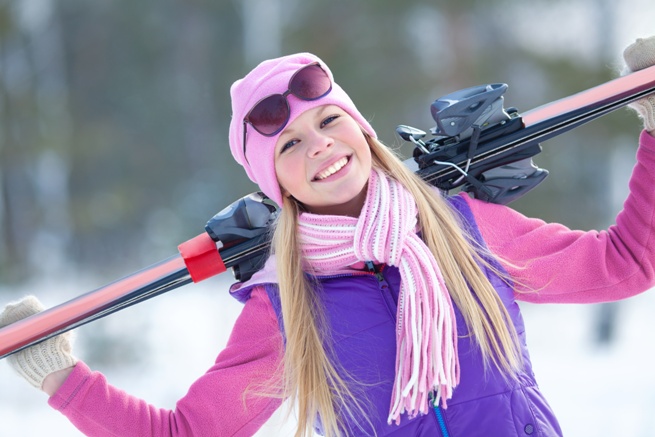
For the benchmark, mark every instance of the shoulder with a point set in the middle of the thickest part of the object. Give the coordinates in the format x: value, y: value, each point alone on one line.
x: 266, y: 278
x: 466, y: 210
x: 495, y: 223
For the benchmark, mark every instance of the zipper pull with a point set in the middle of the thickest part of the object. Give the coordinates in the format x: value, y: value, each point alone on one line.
x: 371, y: 268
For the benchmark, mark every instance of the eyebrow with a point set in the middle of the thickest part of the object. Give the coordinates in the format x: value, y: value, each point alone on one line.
x: 289, y: 130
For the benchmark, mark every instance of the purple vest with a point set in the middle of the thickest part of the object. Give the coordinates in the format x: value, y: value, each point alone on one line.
x: 361, y: 313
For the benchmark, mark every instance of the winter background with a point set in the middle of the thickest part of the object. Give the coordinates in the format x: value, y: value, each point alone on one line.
x: 594, y: 363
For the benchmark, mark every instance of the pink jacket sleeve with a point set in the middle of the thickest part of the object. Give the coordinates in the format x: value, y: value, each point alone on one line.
x: 554, y: 264
x: 220, y: 403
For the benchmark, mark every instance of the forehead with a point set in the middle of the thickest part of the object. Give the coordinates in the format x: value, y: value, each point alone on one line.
x: 316, y: 112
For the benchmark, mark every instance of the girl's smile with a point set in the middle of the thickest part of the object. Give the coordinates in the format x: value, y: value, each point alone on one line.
x: 322, y: 159
x: 333, y: 169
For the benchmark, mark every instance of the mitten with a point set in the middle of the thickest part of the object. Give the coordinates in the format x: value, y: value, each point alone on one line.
x: 36, y: 362
x: 640, y: 55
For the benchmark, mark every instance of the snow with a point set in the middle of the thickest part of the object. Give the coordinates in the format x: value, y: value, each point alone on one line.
x: 594, y: 390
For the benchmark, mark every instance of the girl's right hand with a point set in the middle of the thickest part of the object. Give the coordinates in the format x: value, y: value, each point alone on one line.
x: 51, y: 357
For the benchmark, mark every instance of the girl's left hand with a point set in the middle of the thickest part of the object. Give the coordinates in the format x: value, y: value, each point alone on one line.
x: 640, y: 55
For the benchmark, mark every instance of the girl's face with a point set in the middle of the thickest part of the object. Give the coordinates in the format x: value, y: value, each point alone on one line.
x: 322, y: 159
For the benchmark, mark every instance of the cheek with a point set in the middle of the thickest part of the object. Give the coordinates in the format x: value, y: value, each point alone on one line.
x: 366, y: 156
x: 279, y: 172
x: 284, y: 171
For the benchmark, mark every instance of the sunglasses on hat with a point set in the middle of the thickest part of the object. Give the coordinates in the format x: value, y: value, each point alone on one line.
x: 271, y: 114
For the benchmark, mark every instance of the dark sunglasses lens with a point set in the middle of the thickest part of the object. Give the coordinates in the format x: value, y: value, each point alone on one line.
x: 310, y: 83
x: 270, y: 115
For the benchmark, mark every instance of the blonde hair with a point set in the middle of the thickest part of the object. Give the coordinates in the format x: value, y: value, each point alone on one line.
x: 310, y: 379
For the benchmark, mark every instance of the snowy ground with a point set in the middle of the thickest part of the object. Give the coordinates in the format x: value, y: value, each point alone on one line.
x: 595, y: 391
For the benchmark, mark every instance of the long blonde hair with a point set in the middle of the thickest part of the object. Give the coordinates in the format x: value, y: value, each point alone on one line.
x: 310, y: 379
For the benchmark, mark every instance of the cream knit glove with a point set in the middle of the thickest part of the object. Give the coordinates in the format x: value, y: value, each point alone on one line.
x: 36, y: 362
x: 639, y: 55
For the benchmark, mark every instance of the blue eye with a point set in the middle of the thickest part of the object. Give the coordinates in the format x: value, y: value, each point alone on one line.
x: 288, y: 145
x: 329, y: 120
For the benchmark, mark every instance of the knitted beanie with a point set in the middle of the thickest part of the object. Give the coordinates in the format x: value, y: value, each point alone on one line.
x: 272, y: 77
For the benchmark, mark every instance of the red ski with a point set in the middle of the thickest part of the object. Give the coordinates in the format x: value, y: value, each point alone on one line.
x: 475, y: 137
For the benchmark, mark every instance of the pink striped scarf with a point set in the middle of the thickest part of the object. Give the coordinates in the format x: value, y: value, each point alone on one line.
x: 426, y: 332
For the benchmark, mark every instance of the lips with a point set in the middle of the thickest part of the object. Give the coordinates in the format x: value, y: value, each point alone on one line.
x: 332, y: 169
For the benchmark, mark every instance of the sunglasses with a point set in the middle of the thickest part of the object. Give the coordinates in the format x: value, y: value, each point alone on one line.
x: 271, y: 114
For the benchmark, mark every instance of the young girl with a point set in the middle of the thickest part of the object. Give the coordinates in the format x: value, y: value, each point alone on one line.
x: 384, y: 309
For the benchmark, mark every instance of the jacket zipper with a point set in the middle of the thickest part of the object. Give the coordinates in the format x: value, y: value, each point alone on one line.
x: 440, y: 419
x: 371, y: 268
x: 384, y: 288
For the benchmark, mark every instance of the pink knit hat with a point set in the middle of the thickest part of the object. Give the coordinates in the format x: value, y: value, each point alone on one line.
x: 272, y: 77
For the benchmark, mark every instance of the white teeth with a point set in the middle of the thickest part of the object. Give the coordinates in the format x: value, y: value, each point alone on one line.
x: 333, y: 168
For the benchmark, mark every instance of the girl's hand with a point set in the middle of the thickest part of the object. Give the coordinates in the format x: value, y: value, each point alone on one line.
x: 640, y: 55
x: 54, y: 380
x: 50, y: 357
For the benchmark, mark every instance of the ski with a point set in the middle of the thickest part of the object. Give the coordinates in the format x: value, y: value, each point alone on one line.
x: 486, y: 149
x: 241, y: 232
x: 478, y: 145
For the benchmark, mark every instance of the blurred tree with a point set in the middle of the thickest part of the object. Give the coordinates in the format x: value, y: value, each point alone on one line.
x: 35, y: 128
x: 150, y: 81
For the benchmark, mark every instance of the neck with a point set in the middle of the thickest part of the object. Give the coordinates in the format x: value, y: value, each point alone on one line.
x: 351, y: 208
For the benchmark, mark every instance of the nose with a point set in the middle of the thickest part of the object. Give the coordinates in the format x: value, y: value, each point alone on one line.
x: 318, y: 143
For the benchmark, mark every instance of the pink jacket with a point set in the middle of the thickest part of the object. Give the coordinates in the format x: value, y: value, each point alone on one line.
x: 562, y: 265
